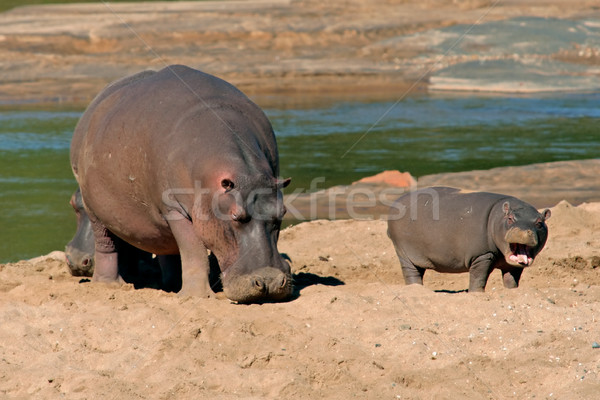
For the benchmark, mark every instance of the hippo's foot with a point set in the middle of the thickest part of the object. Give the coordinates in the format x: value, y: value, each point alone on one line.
x: 106, y: 268
x: 412, y: 278
x: 412, y: 274
x: 195, y: 267
x: 191, y: 281
x: 195, y: 282
x: 511, y: 277
x: 195, y: 291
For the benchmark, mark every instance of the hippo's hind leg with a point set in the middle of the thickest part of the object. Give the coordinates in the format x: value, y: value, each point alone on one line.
x: 106, y: 268
x: 412, y: 274
x: 195, y: 267
x: 511, y: 277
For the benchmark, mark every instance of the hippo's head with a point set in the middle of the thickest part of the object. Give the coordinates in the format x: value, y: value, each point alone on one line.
x: 524, y: 233
x: 246, y: 213
x: 80, y: 250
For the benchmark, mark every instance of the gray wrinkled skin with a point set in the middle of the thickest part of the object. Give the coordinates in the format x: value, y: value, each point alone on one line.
x: 446, y: 230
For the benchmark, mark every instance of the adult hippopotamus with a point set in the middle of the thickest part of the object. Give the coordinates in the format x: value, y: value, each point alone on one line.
x: 448, y: 230
x: 176, y: 162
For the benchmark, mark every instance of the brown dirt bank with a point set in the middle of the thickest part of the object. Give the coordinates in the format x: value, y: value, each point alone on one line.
x: 370, y: 338
x: 542, y: 185
x: 67, y: 53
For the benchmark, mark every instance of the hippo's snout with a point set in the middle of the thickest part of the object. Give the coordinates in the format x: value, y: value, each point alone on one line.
x: 81, y: 263
x: 264, y: 284
x: 270, y: 285
x: 521, y: 236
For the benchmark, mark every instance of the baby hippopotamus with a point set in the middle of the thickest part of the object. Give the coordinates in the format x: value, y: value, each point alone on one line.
x: 448, y: 230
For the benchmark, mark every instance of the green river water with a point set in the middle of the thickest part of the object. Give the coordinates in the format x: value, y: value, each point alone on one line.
x: 341, y: 141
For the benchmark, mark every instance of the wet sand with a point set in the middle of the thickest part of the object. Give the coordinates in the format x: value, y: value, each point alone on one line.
x: 66, y: 53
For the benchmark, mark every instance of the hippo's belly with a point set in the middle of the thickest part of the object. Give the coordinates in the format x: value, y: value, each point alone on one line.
x: 127, y: 202
x: 440, y: 256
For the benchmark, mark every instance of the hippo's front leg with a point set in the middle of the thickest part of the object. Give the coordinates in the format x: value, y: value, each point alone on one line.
x: 480, y: 271
x: 195, y: 266
x: 106, y: 268
x: 511, y: 277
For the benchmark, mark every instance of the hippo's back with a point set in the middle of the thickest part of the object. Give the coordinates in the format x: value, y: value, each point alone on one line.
x: 442, y: 204
x: 148, y: 109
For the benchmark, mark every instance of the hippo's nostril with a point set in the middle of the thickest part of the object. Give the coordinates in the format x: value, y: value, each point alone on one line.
x: 85, y: 262
x: 259, y: 285
x: 283, y: 281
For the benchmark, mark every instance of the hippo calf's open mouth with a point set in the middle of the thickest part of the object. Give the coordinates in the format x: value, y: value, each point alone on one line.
x: 521, y: 254
x: 522, y: 244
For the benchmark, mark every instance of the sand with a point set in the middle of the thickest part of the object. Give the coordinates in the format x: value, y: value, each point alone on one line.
x: 354, y: 330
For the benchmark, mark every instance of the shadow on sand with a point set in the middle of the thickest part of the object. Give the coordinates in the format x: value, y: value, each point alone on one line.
x: 451, y: 291
x: 146, y: 274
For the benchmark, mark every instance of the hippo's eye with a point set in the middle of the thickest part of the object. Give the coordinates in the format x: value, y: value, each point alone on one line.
x: 539, y: 224
x: 227, y: 184
x: 510, y: 220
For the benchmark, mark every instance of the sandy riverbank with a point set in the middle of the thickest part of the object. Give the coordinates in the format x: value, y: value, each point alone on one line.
x: 355, y: 331
x: 67, y: 53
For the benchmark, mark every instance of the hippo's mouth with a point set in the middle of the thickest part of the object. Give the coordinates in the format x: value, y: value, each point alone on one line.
x: 520, y: 254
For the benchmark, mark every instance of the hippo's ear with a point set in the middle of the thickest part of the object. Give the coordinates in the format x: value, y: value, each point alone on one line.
x: 227, y: 184
x: 283, y: 183
x: 506, y: 208
x: 546, y: 214
x: 508, y: 213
